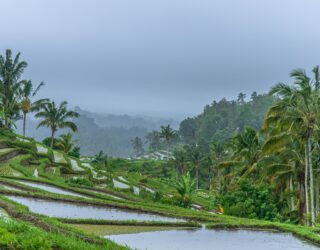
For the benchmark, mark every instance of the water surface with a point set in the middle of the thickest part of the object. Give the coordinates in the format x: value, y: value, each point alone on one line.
x: 202, y: 239
x: 75, y: 166
x: 51, y: 189
x: 68, y: 210
x: 121, y: 185
x: 41, y: 149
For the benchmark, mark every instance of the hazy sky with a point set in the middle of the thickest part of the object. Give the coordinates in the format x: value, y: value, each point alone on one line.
x: 159, y: 57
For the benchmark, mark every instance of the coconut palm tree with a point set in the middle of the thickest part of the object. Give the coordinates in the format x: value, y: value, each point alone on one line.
x: 246, y: 147
x: 56, y: 117
x: 26, y: 103
x: 196, y: 157
x: 298, y: 110
x: 217, y: 153
x: 65, y: 143
x: 167, y: 134
x: 101, y: 158
x: 180, y: 160
x: 137, y: 145
x: 11, y: 70
x: 283, y: 165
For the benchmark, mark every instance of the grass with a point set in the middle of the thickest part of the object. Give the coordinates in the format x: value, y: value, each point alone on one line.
x: 103, y: 230
x: 303, y: 232
x: 129, y: 223
x: 25, y: 230
x: 24, y: 236
x: 60, y: 234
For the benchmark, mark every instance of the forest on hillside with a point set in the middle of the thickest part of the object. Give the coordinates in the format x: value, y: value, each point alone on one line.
x: 222, y: 119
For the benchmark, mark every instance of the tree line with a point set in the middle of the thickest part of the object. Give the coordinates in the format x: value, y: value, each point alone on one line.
x: 17, y: 100
x: 268, y: 172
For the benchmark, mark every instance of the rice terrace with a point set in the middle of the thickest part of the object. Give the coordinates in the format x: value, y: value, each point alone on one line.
x: 125, y: 125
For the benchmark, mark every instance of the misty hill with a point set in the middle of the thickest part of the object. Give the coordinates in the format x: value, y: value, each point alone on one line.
x: 108, y: 132
x: 127, y: 121
x: 220, y: 120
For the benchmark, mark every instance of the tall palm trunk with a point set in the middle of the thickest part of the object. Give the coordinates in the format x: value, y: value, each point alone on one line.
x: 197, y: 176
x: 317, y: 195
x: 291, y: 194
x: 306, y: 182
x: 52, y: 138
x: 313, y: 218
x: 301, y: 200
x: 24, y: 123
x: 210, y: 180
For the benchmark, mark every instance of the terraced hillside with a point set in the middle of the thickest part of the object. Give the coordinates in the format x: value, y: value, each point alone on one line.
x: 49, y: 200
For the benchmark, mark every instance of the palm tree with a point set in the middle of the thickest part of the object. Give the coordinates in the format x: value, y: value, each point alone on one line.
x: 55, y: 117
x: 217, y: 153
x: 10, y: 84
x: 180, y: 160
x: 298, y: 110
x: 196, y: 157
x: 65, y: 143
x: 101, y: 157
x: 137, y: 145
x: 167, y: 134
x: 185, y: 189
x: 26, y: 103
x: 283, y: 163
x: 247, y: 152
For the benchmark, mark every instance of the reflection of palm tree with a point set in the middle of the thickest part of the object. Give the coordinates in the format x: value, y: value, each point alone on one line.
x: 55, y: 117
x: 298, y: 111
x: 167, y: 134
x: 10, y: 83
x: 26, y: 104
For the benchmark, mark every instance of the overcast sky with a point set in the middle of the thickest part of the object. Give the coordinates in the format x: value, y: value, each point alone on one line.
x: 159, y: 57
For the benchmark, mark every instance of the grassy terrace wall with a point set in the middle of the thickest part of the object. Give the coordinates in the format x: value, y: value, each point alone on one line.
x: 147, y: 207
x: 24, y: 230
x: 304, y: 232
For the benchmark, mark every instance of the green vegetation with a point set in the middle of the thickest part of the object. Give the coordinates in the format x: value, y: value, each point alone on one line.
x: 228, y: 167
x: 112, y: 230
x: 56, y: 117
x: 22, y: 235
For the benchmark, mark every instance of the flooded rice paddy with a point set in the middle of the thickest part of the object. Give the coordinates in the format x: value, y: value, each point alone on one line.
x: 68, y: 210
x: 200, y: 239
x: 51, y: 189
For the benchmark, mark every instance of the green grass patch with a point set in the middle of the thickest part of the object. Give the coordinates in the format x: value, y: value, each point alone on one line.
x: 103, y: 230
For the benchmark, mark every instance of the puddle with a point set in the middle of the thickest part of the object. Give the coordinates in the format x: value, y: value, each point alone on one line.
x: 136, y: 190
x: 41, y: 149
x: 36, y: 173
x: 75, y: 166
x: 121, y: 185
x: 121, y: 178
x: 87, y: 165
x: 58, y: 157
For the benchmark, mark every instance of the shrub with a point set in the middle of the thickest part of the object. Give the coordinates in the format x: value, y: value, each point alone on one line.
x: 80, y: 181
x: 250, y: 201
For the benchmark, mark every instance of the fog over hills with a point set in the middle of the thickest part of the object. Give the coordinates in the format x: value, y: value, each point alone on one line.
x: 111, y: 133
